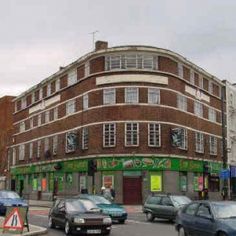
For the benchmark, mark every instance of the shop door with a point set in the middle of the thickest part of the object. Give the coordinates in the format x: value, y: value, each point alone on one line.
x: 132, y: 190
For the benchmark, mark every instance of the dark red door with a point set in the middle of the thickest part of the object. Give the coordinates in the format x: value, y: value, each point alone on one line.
x: 132, y: 190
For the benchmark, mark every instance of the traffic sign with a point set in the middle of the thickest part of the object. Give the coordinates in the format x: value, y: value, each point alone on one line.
x: 225, y: 174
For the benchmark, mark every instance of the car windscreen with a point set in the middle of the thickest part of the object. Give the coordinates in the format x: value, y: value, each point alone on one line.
x: 11, y: 195
x: 99, y: 200
x: 80, y: 206
x: 225, y: 210
x: 180, y: 200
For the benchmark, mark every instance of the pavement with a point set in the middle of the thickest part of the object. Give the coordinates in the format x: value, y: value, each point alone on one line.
x: 33, y: 230
x: 48, y: 204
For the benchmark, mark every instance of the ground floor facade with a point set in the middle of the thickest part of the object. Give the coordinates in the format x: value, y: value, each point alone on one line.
x: 132, y: 177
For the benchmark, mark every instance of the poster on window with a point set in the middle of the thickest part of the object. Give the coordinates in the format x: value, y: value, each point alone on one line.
x: 156, y: 183
x: 35, y: 184
x: 82, y: 183
x: 108, y: 181
x: 44, y: 184
x: 183, y: 183
x: 71, y: 141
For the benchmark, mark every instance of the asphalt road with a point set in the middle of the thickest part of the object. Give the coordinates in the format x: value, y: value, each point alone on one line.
x: 136, y: 225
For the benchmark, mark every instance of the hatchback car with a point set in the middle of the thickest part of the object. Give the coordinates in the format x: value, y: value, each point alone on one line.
x: 10, y: 199
x: 207, y: 218
x: 80, y: 216
x: 164, y: 206
x: 115, y: 211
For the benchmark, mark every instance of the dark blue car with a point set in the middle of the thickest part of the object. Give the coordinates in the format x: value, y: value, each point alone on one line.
x: 10, y: 198
x: 206, y: 218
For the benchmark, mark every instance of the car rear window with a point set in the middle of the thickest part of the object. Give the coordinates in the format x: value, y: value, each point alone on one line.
x: 154, y: 200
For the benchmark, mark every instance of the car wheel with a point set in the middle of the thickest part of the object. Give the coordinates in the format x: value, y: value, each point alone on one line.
x: 51, y: 223
x: 121, y: 221
x: 149, y: 216
x: 181, y: 232
x: 108, y: 232
x: 67, y: 228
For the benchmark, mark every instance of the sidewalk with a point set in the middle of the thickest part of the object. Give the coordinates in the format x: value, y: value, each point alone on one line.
x: 34, y: 230
x: 37, y: 203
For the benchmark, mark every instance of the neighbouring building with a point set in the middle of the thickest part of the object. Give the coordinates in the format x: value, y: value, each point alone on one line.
x: 231, y: 133
x: 6, y: 131
x: 148, y: 116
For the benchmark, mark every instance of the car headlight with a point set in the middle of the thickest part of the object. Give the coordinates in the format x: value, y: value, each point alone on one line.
x: 78, y: 220
x: 107, y: 220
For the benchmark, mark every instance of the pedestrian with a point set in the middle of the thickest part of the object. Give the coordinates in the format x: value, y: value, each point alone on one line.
x: 107, y: 194
x: 102, y: 190
x: 113, y: 193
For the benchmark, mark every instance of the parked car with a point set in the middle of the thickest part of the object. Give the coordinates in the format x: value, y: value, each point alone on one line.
x: 164, y: 206
x: 207, y: 218
x: 79, y: 216
x: 10, y: 198
x: 115, y: 211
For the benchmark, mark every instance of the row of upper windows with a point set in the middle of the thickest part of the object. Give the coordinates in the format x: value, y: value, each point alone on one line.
x: 109, y: 98
x: 48, y: 147
x: 116, y: 62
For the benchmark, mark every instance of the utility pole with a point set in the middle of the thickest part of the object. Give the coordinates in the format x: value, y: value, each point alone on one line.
x: 93, y: 36
x: 225, y: 190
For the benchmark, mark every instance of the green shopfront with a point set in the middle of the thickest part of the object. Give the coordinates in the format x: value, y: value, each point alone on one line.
x: 133, y: 178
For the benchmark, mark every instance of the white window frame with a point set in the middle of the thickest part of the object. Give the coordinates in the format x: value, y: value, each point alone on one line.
x: 22, y: 152
x: 39, y: 119
x: 210, y: 86
x: 55, y: 113
x: 109, y: 96
x: 198, y: 109
x: 87, y: 69
x: 185, y: 140
x: 31, y: 120
x: 180, y: 70
x: 200, y: 78
x: 31, y: 147
x: 213, y: 145
x: 132, y: 95
x: 153, y: 96
x: 70, y: 107
x: 22, y: 126
x: 49, y: 89
x: 72, y: 77
x: 23, y: 103
x: 109, y: 135
x: 46, y: 144
x: 54, y: 145
x: 154, y: 135
x: 85, y: 101
x: 57, y: 85
x: 192, y: 77
x: 38, y: 148
x: 199, y: 142
x: 33, y: 97
x: 85, y: 138
x: 212, y: 114
x: 47, y: 116
x: 132, y: 133
x: 13, y: 156
x: 182, y: 102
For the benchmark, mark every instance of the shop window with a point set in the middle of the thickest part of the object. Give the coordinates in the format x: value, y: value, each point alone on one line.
x: 35, y: 184
x: 197, y: 182
x: 108, y: 181
x: 183, y: 182
x: 214, y: 184
x: 69, y: 178
x: 82, y: 183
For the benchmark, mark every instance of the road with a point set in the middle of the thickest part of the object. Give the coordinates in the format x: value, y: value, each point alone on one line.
x: 136, y: 225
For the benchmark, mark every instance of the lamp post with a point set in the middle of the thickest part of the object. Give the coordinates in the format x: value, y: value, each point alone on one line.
x: 224, y: 144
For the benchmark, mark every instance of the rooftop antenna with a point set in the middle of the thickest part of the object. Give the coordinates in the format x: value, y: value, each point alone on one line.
x: 93, y: 35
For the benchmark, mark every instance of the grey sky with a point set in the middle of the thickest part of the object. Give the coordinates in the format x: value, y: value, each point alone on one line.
x: 38, y: 36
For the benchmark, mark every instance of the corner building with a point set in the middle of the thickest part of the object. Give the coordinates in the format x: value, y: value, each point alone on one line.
x: 151, y: 119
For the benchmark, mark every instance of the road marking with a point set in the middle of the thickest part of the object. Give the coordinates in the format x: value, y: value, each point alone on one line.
x: 138, y: 222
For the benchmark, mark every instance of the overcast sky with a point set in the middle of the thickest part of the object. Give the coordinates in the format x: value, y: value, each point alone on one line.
x: 38, y: 36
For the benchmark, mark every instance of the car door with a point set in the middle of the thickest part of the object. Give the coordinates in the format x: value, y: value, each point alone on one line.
x: 59, y: 213
x: 204, y: 222
x: 152, y: 204
x: 166, y: 208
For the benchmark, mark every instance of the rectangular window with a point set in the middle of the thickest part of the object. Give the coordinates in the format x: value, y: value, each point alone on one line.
x: 180, y: 70
x: 22, y: 152
x: 70, y: 107
x: 131, y: 134
x: 182, y: 102
x: 192, y: 79
x: 57, y: 86
x: 109, y: 96
x: 31, y: 123
x: 153, y: 96
x: 22, y: 126
x: 154, y: 135
x: 71, y: 141
x: 131, y: 95
x: 109, y: 135
x: 201, y: 81
x: 39, y: 120
x: 85, y: 101
x: 211, y: 87
x: 183, y: 181
x: 54, y: 145
x: 131, y: 61
x: 179, y: 138
x: 38, y: 148
x: 212, y: 114
x: 199, y: 142
x: 48, y: 89
x: 31, y: 146
x: 198, y: 109
x: 46, y: 144
x: 85, y: 137
x: 213, y: 145
x: 13, y: 156
x: 214, y: 184
x: 23, y: 103
x: 33, y: 97
x: 40, y: 93
x: 148, y: 62
x: 55, y: 113
x: 47, y: 116
x: 115, y: 62
x: 72, y: 77
x: 87, y: 69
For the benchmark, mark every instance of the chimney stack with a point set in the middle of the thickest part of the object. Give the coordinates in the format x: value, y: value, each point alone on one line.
x: 100, y: 45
